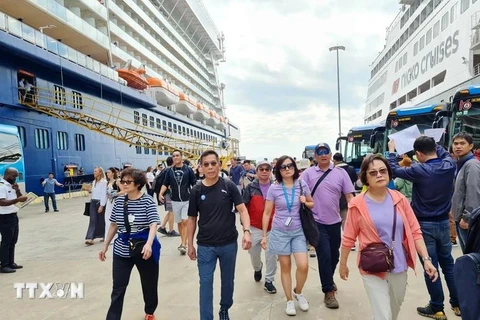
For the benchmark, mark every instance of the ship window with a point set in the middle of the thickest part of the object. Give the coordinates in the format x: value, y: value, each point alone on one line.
x: 393, y: 105
x: 159, y: 124
x: 453, y: 11
x: 402, y: 100
x: 188, y: 132
x: 412, y: 94
x: 445, y: 21
x: 138, y: 149
x: 164, y: 124
x: 42, y: 140
x: 439, y: 78
x: 436, y: 3
x: 422, y: 43
x: 424, y: 87
x: 154, y: 151
x: 144, y: 119
x: 79, y: 142
x: 62, y: 140
x: 152, y: 122
x: 169, y: 126
x: 174, y: 128
x: 183, y: 130
x: 464, y: 4
x: 77, y: 102
x: 429, y: 36
x: 405, y: 58
x: 136, y: 117
x: 146, y: 150
x: 23, y: 136
x: 415, y: 48
x: 59, y: 95
x: 436, y: 29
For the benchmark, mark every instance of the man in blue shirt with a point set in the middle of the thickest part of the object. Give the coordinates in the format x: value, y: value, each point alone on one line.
x: 49, y: 190
x: 236, y: 172
x: 432, y: 181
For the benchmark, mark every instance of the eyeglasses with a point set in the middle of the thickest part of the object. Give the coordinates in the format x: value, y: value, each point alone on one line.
x: 207, y: 164
x: 375, y: 173
x: 127, y: 182
x: 263, y: 169
x: 287, y: 166
x: 322, y: 152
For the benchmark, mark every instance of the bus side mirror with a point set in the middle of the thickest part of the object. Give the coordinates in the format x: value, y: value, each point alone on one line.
x: 337, y: 145
x: 373, y: 138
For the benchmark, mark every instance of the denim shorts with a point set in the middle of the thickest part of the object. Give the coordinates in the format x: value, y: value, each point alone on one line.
x: 284, y: 243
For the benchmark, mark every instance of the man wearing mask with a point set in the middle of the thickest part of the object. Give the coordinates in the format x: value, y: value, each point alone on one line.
x: 9, y: 195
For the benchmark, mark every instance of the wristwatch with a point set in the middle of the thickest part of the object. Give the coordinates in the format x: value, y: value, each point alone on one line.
x: 426, y: 258
x: 247, y: 230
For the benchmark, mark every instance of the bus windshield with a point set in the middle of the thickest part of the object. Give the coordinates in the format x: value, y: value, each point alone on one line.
x: 11, y: 154
x: 468, y: 121
x: 308, y: 152
x: 357, y: 147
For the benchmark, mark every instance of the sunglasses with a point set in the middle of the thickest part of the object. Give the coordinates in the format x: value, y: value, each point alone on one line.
x: 207, y: 164
x: 264, y: 169
x: 127, y: 182
x: 375, y: 173
x: 322, y: 152
x: 287, y: 166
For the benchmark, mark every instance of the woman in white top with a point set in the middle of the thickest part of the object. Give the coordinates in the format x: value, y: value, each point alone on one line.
x: 96, y: 226
x: 113, y: 191
x: 150, y: 179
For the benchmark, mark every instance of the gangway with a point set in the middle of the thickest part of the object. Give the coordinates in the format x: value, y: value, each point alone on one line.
x: 114, y: 122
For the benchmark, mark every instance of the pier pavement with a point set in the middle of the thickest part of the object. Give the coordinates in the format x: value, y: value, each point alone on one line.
x: 51, y: 248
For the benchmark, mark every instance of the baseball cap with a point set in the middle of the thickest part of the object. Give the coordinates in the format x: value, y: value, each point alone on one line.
x: 263, y: 163
x: 322, y: 145
x: 303, y: 164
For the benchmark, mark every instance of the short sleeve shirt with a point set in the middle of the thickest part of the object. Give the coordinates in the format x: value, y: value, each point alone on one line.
x: 7, y: 193
x: 277, y: 196
x: 213, y: 205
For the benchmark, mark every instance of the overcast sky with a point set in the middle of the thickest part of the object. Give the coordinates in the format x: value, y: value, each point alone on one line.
x: 280, y: 77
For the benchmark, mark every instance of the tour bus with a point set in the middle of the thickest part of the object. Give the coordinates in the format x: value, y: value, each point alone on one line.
x: 11, y: 153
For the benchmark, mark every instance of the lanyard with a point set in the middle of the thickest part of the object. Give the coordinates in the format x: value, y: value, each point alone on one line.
x: 289, y: 203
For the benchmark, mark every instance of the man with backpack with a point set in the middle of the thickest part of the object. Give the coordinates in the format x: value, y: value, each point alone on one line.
x: 466, y: 196
x: 180, y: 179
x: 157, y: 185
x: 338, y: 162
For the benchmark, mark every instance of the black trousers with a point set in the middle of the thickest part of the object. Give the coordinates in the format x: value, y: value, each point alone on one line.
x: 122, y: 268
x: 9, y: 232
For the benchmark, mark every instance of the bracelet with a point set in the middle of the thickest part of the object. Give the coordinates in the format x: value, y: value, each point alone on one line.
x: 247, y: 230
x: 426, y: 259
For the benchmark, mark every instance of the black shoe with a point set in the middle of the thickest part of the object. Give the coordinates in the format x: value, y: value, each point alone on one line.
x: 162, y: 230
x: 16, y: 266
x: 56, y: 210
x: 7, y: 270
x: 428, y: 312
x: 257, y: 275
x: 223, y: 315
x: 269, y: 287
x: 46, y: 210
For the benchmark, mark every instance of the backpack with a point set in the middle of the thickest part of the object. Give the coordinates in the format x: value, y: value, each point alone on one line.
x: 467, y: 277
x: 473, y: 236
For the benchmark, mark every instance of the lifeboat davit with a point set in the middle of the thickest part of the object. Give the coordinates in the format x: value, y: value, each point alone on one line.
x: 201, y: 112
x: 185, y: 105
x: 165, y: 94
x: 133, y: 76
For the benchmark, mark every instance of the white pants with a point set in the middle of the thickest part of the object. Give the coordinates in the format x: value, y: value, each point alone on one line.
x: 386, y: 296
x: 107, y: 213
x: 255, y: 255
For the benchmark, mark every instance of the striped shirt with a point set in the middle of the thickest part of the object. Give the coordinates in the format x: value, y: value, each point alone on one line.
x: 145, y: 212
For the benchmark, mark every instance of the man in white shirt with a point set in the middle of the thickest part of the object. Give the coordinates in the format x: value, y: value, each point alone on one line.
x: 9, y: 195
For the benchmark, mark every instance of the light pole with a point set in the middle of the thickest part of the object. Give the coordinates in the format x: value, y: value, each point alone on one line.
x: 337, y: 48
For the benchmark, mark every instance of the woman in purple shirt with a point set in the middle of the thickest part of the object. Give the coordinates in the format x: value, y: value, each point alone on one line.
x: 287, y: 237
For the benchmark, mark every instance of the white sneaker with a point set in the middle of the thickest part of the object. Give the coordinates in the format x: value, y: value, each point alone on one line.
x: 290, y: 311
x: 302, y: 302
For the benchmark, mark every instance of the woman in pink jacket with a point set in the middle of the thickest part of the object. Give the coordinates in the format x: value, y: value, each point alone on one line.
x: 370, y: 219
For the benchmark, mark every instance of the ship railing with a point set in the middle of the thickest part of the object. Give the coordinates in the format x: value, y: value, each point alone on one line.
x: 33, y: 36
x: 115, y: 122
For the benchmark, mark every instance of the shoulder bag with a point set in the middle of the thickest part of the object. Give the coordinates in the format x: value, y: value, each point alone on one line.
x: 135, y: 245
x: 309, y: 225
x: 378, y: 257
x: 86, y: 211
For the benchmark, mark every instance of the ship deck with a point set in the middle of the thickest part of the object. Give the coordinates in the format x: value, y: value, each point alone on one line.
x: 51, y: 249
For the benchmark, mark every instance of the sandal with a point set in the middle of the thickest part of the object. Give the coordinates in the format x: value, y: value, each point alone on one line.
x: 89, y: 242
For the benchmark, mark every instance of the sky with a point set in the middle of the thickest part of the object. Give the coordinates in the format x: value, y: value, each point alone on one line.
x: 281, y: 82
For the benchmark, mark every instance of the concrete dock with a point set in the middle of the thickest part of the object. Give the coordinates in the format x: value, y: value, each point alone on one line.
x: 51, y: 248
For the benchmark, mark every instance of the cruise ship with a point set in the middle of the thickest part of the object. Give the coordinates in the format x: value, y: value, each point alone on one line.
x: 432, y: 48
x: 109, y: 83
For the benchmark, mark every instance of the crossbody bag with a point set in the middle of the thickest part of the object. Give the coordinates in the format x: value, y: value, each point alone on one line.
x: 135, y: 245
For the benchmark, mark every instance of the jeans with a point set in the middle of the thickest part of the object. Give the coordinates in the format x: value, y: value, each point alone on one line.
x: 54, y: 201
x: 439, y: 246
x: 462, y: 236
x: 207, y: 262
x: 328, y: 253
x: 9, y: 232
x: 121, y: 270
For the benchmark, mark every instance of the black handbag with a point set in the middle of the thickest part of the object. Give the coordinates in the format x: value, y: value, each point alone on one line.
x: 309, y: 225
x: 86, y: 211
x: 135, y: 245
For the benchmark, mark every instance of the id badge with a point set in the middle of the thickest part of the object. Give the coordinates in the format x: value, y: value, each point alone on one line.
x: 288, y: 222
x: 131, y: 218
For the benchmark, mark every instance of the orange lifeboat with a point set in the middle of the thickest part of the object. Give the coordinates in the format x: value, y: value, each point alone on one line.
x: 213, y: 120
x: 201, y: 112
x: 133, y: 76
x: 165, y: 94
